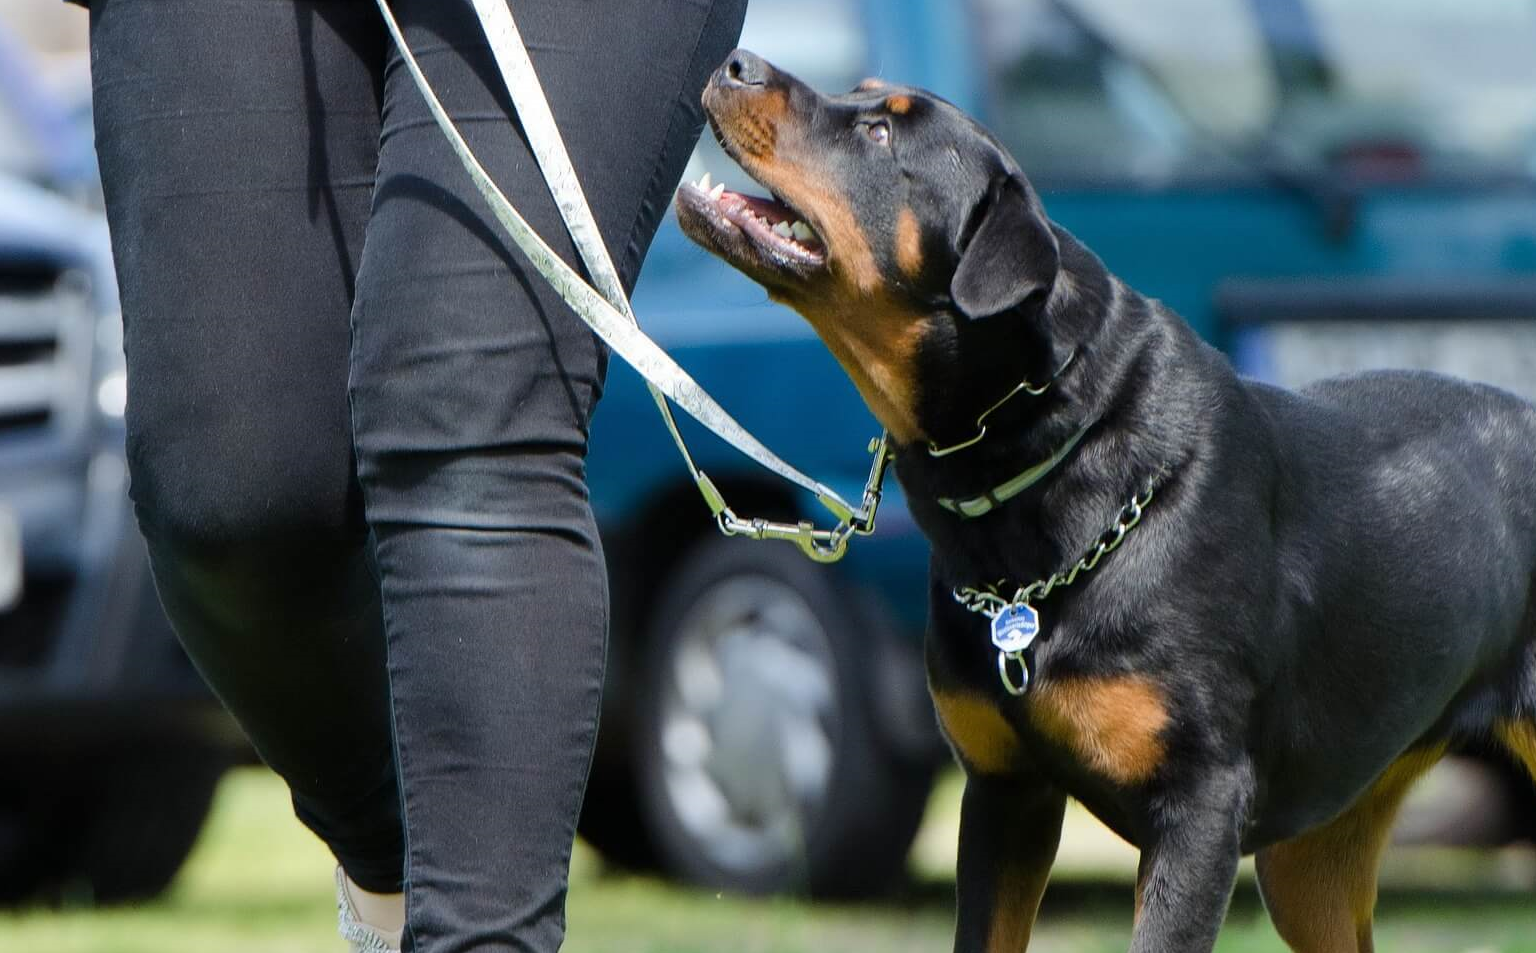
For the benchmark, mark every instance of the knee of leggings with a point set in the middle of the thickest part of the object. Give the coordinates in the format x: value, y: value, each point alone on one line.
x: 218, y: 500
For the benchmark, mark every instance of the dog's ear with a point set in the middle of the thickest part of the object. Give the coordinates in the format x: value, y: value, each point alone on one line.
x: 1008, y: 253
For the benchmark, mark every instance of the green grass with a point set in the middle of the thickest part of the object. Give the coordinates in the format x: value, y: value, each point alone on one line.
x: 259, y: 882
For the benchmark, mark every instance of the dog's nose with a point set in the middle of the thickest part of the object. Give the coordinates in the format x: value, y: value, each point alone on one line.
x: 743, y: 68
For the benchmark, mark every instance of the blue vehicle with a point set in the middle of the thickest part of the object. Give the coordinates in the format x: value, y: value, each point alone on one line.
x: 1292, y: 176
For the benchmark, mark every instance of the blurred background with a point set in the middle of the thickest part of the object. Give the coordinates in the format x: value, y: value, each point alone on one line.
x: 1316, y: 185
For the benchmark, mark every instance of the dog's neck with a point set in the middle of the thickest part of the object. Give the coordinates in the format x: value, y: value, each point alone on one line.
x: 1115, y: 336
x: 967, y: 367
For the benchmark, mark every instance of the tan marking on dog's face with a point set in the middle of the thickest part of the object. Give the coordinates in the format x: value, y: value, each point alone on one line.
x: 851, y: 302
x: 909, y: 243
x: 899, y: 105
x: 1113, y: 725
x: 849, y: 255
x: 982, y: 737
x: 751, y: 122
x: 872, y: 334
x: 754, y: 125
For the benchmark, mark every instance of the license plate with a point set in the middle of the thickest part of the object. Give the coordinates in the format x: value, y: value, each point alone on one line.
x: 1501, y: 353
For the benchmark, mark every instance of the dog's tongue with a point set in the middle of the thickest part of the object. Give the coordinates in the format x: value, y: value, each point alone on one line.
x: 774, y: 212
x: 775, y: 216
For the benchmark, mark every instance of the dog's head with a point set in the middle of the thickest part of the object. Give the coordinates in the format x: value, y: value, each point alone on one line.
x: 895, y: 218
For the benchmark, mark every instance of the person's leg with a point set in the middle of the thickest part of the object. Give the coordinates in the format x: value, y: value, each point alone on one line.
x: 238, y: 142
x: 472, y: 387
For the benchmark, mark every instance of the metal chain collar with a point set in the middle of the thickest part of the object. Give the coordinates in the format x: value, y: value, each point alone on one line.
x: 1023, y: 387
x: 988, y: 601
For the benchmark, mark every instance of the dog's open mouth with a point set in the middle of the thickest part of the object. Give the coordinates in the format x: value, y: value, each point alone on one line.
x: 751, y: 233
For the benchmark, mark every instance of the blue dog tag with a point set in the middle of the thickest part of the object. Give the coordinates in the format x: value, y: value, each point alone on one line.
x: 1014, y: 629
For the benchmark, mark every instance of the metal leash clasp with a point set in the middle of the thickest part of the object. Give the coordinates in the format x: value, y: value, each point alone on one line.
x: 819, y: 545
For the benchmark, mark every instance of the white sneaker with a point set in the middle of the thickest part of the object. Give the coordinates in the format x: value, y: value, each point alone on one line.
x: 364, y: 938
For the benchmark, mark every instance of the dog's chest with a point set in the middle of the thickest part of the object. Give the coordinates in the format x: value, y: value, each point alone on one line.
x: 1110, y: 727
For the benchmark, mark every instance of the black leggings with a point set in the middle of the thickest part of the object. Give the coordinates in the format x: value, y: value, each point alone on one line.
x: 357, y: 421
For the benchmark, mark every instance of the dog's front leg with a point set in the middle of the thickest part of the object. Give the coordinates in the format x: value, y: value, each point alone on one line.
x: 1009, y: 830
x: 1189, y: 865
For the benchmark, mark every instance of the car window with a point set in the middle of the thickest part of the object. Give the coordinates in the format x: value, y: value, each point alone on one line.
x: 820, y: 41
x: 1438, y: 88
x: 1103, y: 90
x: 1161, y: 90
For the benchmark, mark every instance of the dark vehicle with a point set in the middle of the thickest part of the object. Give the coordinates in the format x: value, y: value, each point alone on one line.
x: 1316, y: 185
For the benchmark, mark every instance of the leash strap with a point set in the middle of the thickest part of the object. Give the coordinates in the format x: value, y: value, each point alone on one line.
x: 608, y: 313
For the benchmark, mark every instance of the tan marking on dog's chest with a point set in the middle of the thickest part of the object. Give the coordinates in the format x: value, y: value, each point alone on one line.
x: 909, y: 243
x: 1114, y: 726
x: 981, y: 735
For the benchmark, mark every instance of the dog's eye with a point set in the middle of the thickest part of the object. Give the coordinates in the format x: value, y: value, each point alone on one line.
x: 879, y: 132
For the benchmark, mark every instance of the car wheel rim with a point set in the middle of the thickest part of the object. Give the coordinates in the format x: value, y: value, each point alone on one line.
x: 748, y: 718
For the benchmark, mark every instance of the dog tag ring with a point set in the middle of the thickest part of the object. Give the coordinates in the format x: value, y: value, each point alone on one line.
x: 1015, y: 627
x: 1013, y: 687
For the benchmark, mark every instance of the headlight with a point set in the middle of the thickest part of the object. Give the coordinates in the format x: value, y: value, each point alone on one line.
x: 112, y: 374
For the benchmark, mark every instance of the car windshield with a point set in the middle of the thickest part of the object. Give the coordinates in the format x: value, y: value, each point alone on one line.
x: 1191, y: 89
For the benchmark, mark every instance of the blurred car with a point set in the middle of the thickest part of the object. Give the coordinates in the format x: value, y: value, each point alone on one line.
x: 1316, y: 185
x: 110, y: 746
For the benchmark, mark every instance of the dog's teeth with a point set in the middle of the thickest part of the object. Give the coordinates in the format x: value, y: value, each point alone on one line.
x: 717, y: 191
x: 801, y: 231
x: 704, y: 183
x: 782, y: 230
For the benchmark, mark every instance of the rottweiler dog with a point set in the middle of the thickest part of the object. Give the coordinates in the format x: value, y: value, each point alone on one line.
x: 1267, y: 613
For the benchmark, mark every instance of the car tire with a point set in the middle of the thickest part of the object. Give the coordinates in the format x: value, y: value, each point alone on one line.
x: 102, y: 830
x: 759, y: 766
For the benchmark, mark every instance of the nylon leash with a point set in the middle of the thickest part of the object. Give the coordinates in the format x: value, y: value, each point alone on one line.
x: 606, y: 309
